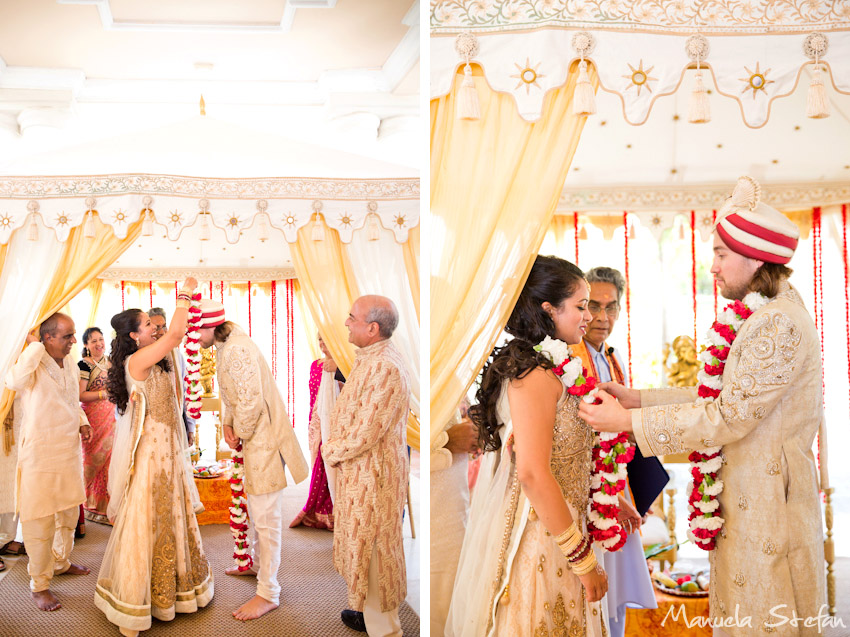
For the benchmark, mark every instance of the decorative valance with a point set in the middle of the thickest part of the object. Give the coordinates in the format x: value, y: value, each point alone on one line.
x: 232, y: 205
x: 754, y: 53
x: 201, y: 274
x: 658, y: 207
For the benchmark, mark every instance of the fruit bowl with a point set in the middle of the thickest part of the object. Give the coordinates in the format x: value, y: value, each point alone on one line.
x: 686, y: 584
x: 207, y: 473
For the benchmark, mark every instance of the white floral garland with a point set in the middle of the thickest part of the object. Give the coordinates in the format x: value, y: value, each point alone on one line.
x: 704, y: 520
x: 611, y: 451
x: 192, y: 379
x: 239, y: 512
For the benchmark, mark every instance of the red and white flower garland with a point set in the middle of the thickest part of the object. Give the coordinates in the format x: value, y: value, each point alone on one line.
x: 238, y: 512
x: 611, y: 451
x: 704, y: 509
x: 192, y: 379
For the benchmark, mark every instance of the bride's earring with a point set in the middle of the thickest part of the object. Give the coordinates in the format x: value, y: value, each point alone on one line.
x: 137, y: 342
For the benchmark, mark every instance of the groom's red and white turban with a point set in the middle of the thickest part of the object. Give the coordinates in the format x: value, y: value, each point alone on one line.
x: 212, y: 313
x: 754, y: 229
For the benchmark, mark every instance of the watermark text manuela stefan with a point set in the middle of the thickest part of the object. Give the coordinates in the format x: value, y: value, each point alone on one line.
x: 780, y: 615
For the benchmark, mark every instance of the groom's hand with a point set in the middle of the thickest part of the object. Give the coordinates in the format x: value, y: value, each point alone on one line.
x: 607, y: 416
x: 230, y: 437
x: 629, y: 398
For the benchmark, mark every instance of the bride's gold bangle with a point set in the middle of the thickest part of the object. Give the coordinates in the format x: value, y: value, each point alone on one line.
x: 183, y: 303
x: 586, y: 565
x: 569, y: 539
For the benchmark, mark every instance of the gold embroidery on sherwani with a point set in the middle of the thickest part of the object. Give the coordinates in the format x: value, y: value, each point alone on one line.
x: 662, y: 430
x: 771, y: 345
x: 164, y: 566
x: 366, y: 445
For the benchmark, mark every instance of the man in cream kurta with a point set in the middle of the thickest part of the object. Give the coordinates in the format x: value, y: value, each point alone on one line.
x: 49, y: 481
x: 253, y: 411
x: 768, y: 565
x: 368, y: 448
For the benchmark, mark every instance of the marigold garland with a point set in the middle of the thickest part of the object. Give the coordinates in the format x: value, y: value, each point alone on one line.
x: 704, y: 519
x: 611, y: 451
x: 239, y: 513
x: 192, y: 379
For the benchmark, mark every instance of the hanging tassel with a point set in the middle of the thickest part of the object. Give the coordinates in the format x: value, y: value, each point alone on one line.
x: 88, y: 228
x: 374, y: 228
x: 147, y: 224
x: 583, y: 233
x: 205, y: 227
x: 584, y: 100
x: 318, y: 230
x: 467, y: 98
x: 699, y: 109
x: 632, y: 233
x: 263, y: 229
x: 817, y: 106
x: 32, y: 231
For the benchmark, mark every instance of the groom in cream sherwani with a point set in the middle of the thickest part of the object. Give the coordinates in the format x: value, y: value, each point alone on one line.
x: 253, y: 411
x: 768, y: 566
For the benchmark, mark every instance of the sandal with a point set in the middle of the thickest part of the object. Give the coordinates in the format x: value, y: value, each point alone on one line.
x: 13, y: 548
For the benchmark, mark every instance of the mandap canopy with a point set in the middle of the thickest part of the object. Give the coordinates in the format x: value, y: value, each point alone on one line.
x: 329, y: 240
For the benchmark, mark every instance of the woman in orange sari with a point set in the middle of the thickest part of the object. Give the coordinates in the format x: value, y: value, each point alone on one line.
x: 101, y: 414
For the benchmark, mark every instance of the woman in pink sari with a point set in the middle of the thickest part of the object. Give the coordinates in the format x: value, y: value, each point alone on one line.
x: 101, y: 414
x: 318, y: 512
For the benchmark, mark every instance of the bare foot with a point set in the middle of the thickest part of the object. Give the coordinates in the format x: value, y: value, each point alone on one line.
x: 46, y: 600
x: 75, y: 569
x: 234, y: 570
x: 256, y: 607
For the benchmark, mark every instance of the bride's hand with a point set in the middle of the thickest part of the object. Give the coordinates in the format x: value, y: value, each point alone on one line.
x: 628, y: 516
x: 595, y: 584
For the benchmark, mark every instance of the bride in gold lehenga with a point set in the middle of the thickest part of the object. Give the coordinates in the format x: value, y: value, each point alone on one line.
x: 154, y: 564
x: 529, y: 509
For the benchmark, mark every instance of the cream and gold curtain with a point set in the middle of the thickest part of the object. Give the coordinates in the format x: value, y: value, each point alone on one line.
x: 495, y: 183
x: 81, y: 261
x: 329, y: 289
x: 411, y: 265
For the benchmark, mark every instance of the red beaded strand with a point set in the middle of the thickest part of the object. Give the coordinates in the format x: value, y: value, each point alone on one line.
x: 222, y: 292
x: 150, y: 292
x: 575, y: 230
x: 274, y: 329
x: 846, y: 284
x: 628, y: 295
x: 122, y: 296
x: 694, y: 269
x: 714, y: 281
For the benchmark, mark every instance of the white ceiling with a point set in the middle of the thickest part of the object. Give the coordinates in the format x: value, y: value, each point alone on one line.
x: 86, y: 76
x: 668, y: 150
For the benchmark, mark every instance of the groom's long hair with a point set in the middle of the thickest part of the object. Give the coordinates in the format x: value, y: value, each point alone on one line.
x: 551, y: 279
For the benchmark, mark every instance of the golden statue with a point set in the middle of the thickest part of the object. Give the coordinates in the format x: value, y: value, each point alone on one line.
x: 683, y: 372
x: 207, y: 371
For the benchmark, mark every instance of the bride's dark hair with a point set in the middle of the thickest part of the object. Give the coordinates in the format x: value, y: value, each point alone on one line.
x: 122, y: 346
x: 551, y: 279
